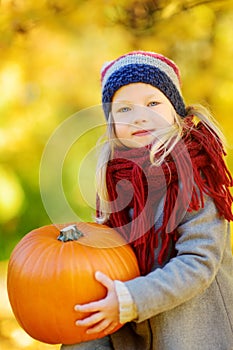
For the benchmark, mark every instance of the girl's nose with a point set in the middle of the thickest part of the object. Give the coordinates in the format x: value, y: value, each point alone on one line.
x: 139, y: 120
x: 140, y: 115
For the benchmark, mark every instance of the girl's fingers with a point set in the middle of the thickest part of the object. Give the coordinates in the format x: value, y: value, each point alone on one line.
x: 101, y: 326
x: 90, y: 321
x: 96, y: 305
x: 90, y: 307
x: 110, y: 328
x: 104, y: 279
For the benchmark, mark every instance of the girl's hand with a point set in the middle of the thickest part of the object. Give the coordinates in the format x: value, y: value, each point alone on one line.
x: 106, y: 311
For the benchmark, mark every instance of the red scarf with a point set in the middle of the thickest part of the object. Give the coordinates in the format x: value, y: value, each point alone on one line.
x: 195, y: 167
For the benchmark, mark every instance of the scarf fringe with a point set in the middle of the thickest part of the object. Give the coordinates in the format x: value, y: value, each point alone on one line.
x: 216, y: 178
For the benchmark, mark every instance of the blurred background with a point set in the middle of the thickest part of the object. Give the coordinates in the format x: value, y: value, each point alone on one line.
x: 51, y: 55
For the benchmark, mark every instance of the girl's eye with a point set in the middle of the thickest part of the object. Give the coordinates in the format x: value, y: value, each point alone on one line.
x: 123, y: 109
x: 153, y: 103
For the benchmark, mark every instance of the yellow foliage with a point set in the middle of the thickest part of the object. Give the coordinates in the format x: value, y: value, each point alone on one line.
x: 12, y: 196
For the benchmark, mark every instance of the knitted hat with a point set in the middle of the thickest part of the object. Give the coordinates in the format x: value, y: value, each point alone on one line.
x: 142, y: 67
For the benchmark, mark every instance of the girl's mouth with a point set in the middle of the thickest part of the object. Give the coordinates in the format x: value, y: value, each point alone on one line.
x: 142, y: 132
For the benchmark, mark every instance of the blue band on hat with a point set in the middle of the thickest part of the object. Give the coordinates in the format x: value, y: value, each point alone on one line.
x: 142, y: 73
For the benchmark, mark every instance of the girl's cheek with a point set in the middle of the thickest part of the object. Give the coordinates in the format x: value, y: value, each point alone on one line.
x: 119, y: 130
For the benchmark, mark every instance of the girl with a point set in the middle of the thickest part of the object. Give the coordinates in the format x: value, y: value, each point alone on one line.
x: 163, y: 184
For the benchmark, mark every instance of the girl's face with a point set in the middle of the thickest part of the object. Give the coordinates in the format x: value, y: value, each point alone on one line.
x: 139, y: 110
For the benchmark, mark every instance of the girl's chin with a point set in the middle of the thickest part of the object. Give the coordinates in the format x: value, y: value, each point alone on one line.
x: 137, y: 144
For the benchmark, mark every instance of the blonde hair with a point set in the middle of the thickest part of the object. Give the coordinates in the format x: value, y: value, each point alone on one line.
x: 167, y: 140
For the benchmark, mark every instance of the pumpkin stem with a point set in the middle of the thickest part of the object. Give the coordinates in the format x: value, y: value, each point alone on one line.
x: 70, y: 233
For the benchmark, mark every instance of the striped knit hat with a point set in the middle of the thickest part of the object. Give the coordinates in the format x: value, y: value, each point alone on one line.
x: 142, y: 67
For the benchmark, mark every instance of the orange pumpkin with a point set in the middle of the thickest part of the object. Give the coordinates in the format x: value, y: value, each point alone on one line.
x: 49, y: 273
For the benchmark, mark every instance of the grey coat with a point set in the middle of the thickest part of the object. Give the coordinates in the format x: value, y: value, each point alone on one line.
x: 187, y: 304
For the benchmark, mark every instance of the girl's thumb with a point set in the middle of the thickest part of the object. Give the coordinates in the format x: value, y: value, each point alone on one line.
x: 104, y: 279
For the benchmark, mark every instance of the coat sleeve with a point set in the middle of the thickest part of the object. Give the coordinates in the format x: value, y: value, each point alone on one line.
x: 200, y: 247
